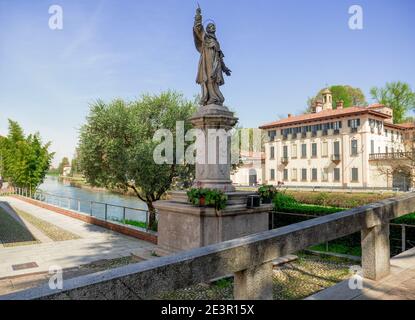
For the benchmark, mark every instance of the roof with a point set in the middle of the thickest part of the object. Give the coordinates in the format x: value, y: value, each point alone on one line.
x: 402, y: 126
x: 323, y: 115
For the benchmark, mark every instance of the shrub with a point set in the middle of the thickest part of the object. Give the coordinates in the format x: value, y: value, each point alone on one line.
x: 267, y: 192
x: 282, y: 200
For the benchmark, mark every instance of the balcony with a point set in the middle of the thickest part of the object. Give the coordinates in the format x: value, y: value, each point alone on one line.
x: 336, y: 131
x: 304, y: 135
x: 336, y: 158
x: 353, y: 130
x: 392, y: 156
x: 294, y: 136
x: 284, y: 160
x: 284, y: 137
x: 325, y: 132
x: 314, y: 133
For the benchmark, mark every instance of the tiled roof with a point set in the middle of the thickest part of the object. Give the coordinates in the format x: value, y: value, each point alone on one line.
x: 403, y: 126
x: 326, y: 114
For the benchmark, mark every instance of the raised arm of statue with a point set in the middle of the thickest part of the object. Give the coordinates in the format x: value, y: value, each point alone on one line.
x: 198, y: 26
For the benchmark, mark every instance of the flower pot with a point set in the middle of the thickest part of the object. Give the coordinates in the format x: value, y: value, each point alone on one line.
x: 202, y: 202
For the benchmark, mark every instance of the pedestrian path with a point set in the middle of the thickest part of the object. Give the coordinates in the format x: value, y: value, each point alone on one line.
x: 94, y: 243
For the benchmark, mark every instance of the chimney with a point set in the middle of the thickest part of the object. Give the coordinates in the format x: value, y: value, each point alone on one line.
x: 340, y: 104
x: 319, y: 106
x: 290, y: 115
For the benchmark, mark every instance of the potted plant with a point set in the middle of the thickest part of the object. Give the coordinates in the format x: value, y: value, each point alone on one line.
x: 207, y: 197
x: 267, y: 193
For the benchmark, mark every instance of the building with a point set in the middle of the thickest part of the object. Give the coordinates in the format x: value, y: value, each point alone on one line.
x: 251, y: 172
x: 356, y: 147
x: 66, y: 170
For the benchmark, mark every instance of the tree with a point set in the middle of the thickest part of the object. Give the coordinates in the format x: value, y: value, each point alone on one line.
x: 396, y: 95
x: 351, y: 96
x: 25, y: 160
x: 75, y: 165
x: 116, y: 145
x: 62, y: 164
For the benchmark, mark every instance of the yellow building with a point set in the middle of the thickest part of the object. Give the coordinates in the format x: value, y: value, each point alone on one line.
x: 356, y: 147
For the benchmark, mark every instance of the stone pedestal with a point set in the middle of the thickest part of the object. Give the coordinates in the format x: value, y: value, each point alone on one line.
x: 183, y: 226
x: 214, y: 162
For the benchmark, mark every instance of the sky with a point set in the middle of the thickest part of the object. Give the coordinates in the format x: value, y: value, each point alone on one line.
x: 281, y: 53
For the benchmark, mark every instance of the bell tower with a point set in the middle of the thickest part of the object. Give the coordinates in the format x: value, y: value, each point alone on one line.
x: 327, y: 99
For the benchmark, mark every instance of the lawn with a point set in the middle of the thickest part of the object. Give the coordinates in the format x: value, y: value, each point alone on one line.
x: 53, y: 232
x: 13, y: 233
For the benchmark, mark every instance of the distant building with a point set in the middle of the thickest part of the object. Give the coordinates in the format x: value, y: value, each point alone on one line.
x: 66, y: 171
x: 251, y: 172
x: 343, y: 148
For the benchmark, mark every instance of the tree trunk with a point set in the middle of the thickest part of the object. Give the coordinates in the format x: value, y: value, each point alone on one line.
x: 152, y: 222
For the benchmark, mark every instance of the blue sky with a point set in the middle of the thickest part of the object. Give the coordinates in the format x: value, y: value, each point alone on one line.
x: 280, y: 52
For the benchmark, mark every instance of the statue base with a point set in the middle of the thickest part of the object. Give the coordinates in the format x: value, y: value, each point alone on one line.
x: 183, y: 226
x: 219, y: 120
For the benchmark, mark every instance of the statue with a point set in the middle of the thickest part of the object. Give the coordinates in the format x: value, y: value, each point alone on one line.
x: 211, y: 65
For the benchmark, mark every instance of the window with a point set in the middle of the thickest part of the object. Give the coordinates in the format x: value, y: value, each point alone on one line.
x: 272, y: 134
x: 285, y: 174
x: 294, y: 175
x: 336, y: 174
x: 294, y: 151
x: 355, y: 174
x: 303, y: 174
x: 272, y: 174
x: 325, y: 174
x: 386, y: 150
x: 272, y: 153
x: 353, y: 123
x: 303, y: 150
x: 314, y: 150
x: 285, y: 152
x: 314, y: 174
x: 386, y: 132
x: 354, y: 148
x: 372, y: 146
x: 325, y: 149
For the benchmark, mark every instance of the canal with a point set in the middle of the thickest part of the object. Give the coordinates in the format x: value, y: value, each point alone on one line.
x: 93, y: 201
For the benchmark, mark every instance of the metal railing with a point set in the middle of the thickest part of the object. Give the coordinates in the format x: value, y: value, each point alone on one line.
x: 100, y: 210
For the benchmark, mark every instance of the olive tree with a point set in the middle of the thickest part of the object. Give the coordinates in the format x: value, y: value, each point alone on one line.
x: 116, y: 145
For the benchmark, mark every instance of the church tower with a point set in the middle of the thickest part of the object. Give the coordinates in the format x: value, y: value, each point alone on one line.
x: 327, y: 99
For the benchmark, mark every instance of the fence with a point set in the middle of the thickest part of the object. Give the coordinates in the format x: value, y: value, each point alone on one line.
x: 248, y: 258
x: 100, y: 210
x: 398, y: 245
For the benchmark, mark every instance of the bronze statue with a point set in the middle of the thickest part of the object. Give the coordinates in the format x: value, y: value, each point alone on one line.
x: 211, y: 65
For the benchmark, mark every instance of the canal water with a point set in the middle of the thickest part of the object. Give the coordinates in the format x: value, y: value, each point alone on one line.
x: 92, y: 201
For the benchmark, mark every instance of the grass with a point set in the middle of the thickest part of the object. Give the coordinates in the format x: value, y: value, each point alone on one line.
x: 13, y: 233
x: 295, y: 280
x: 338, y: 248
x: 53, y: 232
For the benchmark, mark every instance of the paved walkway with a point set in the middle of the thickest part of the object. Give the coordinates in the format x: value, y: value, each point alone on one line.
x: 399, y: 285
x: 95, y: 244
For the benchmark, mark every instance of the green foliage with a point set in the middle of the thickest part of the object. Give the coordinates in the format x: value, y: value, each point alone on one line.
x: 287, y: 203
x: 207, y: 197
x: 24, y: 160
x: 282, y: 200
x: 116, y: 145
x: 351, y: 96
x: 407, y: 219
x: 397, y: 95
x: 267, y: 192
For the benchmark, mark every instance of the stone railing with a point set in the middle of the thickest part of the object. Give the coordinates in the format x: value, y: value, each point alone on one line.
x: 393, y: 156
x: 249, y: 258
